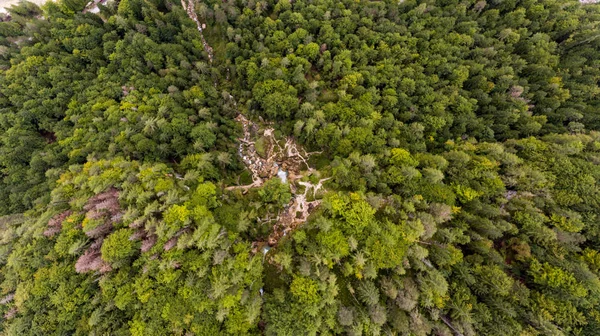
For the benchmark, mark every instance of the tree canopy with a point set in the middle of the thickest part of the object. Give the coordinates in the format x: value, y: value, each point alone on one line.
x: 293, y: 167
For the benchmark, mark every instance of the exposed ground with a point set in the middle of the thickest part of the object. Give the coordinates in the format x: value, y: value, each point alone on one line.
x: 283, y: 159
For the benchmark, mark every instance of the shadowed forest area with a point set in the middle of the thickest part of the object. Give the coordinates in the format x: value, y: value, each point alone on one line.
x: 300, y: 167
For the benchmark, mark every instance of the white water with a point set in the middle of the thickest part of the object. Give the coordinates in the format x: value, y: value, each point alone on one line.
x: 282, y: 175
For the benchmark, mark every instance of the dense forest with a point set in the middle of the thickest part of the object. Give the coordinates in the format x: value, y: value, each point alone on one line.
x: 300, y: 167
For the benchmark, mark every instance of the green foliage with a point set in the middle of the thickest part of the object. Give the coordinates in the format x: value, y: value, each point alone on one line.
x: 277, y: 99
x: 276, y: 192
x: 402, y: 157
x: 546, y: 274
x: 305, y: 290
x: 176, y: 217
x: 455, y: 144
x: 118, y: 246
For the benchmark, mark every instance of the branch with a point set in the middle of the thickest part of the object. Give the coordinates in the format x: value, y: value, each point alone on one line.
x: 447, y: 322
x: 257, y: 183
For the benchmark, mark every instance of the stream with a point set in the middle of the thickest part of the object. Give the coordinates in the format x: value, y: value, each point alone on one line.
x: 288, y: 162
